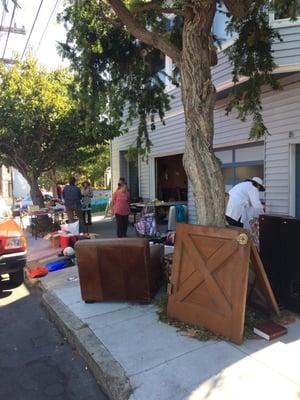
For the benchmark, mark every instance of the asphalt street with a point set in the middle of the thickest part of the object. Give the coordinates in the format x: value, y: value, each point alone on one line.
x: 36, y: 362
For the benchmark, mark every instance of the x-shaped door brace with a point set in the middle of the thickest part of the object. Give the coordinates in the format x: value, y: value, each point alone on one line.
x: 203, y: 273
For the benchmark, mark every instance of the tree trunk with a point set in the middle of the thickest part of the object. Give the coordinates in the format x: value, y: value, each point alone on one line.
x: 53, y: 180
x: 198, y: 96
x: 35, y: 192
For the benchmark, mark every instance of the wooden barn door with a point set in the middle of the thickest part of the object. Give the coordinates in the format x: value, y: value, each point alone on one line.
x: 209, y: 278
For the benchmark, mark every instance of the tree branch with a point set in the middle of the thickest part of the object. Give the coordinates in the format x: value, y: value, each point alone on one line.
x: 140, y: 32
x: 154, y: 6
x: 238, y: 8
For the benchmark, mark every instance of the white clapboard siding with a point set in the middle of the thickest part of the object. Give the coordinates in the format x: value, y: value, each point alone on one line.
x: 144, y: 175
x: 286, y: 53
x: 119, y: 144
x: 221, y: 73
x: 282, y: 116
x: 191, y: 205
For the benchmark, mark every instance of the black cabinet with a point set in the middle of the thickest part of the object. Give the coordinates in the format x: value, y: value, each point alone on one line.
x: 280, y: 254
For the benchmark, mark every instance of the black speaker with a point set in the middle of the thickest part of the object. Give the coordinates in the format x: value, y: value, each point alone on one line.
x: 290, y: 264
x: 270, y: 250
x: 280, y: 254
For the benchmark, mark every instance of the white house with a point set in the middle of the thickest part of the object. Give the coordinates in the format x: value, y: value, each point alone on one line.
x: 21, y: 187
x: 275, y: 158
x: 6, y: 185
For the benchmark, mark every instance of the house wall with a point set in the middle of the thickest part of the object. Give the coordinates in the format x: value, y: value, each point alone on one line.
x: 286, y: 55
x: 281, y: 115
x: 6, y: 185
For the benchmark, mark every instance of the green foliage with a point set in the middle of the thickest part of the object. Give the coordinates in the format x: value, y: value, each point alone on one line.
x: 118, y: 73
x: 251, y: 56
x: 134, y: 152
x: 42, y: 124
x: 286, y: 9
x: 92, y: 165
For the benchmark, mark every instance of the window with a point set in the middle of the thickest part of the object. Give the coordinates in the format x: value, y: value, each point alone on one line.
x: 283, y: 18
x: 241, y: 163
x: 248, y: 171
x: 228, y: 173
x: 288, y: 12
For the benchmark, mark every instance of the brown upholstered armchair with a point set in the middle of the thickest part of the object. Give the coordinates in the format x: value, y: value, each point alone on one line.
x: 119, y: 269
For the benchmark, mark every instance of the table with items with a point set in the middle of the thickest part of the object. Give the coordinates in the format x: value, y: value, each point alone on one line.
x: 160, y: 208
x: 56, y: 214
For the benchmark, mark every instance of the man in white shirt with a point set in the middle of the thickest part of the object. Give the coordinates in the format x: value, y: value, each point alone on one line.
x: 244, y: 199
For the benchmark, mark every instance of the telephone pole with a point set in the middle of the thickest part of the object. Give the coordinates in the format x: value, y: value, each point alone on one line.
x: 14, y: 29
x: 10, y: 29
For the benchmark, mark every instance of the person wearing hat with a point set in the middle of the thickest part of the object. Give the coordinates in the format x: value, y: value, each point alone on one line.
x: 244, y: 202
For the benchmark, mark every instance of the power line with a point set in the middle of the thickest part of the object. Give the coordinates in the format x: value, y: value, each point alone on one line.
x: 46, y: 27
x: 36, y: 16
x: 10, y: 24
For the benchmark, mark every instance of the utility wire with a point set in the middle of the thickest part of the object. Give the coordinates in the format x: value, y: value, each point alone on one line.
x: 29, y: 36
x: 8, y: 33
x: 46, y: 27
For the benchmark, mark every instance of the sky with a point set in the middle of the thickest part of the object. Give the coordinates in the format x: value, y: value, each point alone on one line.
x: 42, y: 42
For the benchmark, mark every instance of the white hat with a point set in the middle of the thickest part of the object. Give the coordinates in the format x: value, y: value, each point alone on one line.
x: 258, y: 181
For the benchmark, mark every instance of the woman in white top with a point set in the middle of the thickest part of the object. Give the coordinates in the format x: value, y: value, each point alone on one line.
x: 244, y: 201
x: 87, y: 195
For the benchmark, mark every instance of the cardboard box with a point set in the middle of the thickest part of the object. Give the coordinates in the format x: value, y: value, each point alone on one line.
x: 55, y: 241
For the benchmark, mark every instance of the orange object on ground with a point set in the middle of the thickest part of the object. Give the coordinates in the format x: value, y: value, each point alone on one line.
x: 37, y: 272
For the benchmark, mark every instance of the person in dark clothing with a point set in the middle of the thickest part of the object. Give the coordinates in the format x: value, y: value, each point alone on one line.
x: 72, y: 197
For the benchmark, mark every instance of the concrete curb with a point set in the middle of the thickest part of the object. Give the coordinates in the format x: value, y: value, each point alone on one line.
x: 107, y: 371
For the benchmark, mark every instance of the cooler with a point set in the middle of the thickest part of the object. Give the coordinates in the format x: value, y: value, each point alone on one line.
x: 67, y: 240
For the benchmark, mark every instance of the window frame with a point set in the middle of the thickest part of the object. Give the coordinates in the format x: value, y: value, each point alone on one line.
x: 282, y: 22
x: 234, y: 164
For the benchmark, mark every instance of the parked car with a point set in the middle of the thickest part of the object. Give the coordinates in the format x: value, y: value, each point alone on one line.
x: 13, y: 248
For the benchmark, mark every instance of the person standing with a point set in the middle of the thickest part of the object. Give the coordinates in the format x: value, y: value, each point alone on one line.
x: 244, y: 203
x: 120, y: 208
x: 72, y: 197
x: 87, y: 195
x: 59, y: 190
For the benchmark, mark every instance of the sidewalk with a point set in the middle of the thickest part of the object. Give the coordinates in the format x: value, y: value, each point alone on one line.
x: 134, y: 356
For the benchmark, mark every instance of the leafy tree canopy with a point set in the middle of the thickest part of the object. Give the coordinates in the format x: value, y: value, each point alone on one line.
x: 42, y: 123
x: 89, y: 164
x: 118, y: 69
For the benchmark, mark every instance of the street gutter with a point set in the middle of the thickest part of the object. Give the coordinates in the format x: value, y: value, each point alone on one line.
x: 107, y: 371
